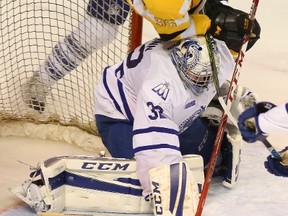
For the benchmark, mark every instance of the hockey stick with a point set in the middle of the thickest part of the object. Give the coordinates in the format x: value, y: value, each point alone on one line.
x: 262, y: 139
x: 224, y: 118
x: 275, y: 154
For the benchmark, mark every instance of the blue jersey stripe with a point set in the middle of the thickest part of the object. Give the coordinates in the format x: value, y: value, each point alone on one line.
x: 156, y: 146
x: 108, y: 90
x: 155, y: 129
x: 124, y: 102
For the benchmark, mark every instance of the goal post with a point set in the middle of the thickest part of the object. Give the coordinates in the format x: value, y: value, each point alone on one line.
x: 29, y: 29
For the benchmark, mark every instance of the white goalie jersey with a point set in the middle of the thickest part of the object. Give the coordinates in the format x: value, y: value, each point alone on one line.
x: 146, y: 89
x: 274, y: 120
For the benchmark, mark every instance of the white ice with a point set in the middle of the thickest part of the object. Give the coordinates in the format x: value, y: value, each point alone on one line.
x: 265, y: 71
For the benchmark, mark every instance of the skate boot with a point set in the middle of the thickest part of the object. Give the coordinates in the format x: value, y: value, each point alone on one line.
x: 34, y: 93
x: 30, y: 193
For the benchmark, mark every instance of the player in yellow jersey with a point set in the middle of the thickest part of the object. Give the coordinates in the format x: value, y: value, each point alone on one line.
x: 177, y: 19
x: 174, y: 19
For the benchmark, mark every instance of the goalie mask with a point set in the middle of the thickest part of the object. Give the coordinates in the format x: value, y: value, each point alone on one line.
x: 191, y: 59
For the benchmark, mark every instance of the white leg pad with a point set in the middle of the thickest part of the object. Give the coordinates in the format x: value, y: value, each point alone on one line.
x: 174, y: 190
x: 232, y: 175
x: 84, y: 183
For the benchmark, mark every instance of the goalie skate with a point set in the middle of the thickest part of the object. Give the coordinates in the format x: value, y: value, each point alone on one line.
x: 34, y: 93
x: 30, y: 193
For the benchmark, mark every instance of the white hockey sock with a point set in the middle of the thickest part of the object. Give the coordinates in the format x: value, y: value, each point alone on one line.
x: 92, y: 34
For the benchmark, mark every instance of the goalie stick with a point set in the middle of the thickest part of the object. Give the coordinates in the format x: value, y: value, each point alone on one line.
x: 224, y: 118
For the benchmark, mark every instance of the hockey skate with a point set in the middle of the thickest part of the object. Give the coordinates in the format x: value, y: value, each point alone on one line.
x: 30, y: 193
x: 34, y: 93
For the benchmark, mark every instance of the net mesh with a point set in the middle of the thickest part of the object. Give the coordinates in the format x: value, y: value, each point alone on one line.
x: 29, y: 29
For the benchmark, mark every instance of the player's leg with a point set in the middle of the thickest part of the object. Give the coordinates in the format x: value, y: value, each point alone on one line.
x: 184, y: 182
x: 229, y: 162
x: 116, y: 135
x: 199, y: 139
x: 97, y: 29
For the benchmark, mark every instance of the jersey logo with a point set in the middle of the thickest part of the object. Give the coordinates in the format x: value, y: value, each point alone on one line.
x: 189, y: 104
x: 188, y: 122
x: 105, y: 166
x: 165, y: 22
x: 162, y: 90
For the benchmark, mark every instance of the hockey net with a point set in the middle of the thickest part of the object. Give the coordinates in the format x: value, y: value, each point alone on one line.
x: 29, y: 29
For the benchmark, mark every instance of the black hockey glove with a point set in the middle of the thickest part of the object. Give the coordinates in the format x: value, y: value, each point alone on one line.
x: 231, y: 25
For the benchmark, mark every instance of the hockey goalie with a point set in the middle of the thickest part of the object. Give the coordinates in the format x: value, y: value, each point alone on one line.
x: 101, y: 184
x: 165, y: 135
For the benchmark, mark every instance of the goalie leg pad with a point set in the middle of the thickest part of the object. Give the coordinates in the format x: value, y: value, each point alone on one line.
x: 84, y: 183
x: 233, y: 160
x: 174, y: 191
x: 79, y: 182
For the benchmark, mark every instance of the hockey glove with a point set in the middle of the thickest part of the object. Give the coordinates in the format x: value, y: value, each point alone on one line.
x: 277, y: 167
x: 231, y: 25
x: 248, y: 122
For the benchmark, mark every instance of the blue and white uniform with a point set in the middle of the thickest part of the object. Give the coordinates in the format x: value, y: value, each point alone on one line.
x: 146, y: 90
x: 274, y: 120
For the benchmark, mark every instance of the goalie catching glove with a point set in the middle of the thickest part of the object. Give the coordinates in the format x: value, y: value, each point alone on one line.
x: 278, y: 167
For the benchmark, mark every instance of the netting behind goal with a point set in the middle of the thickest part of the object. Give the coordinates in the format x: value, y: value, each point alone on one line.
x: 29, y: 29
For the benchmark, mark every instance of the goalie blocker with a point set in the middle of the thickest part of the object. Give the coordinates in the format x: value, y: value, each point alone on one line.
x: 83, y: 183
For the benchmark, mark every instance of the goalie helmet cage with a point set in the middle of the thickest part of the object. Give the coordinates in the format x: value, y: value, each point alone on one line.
x: 29, y: 30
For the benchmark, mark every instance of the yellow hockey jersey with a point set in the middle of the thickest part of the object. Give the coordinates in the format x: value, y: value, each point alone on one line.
x: 173, y: 19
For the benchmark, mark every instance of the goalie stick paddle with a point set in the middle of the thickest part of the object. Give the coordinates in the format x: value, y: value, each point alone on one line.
x: 224, y: 118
